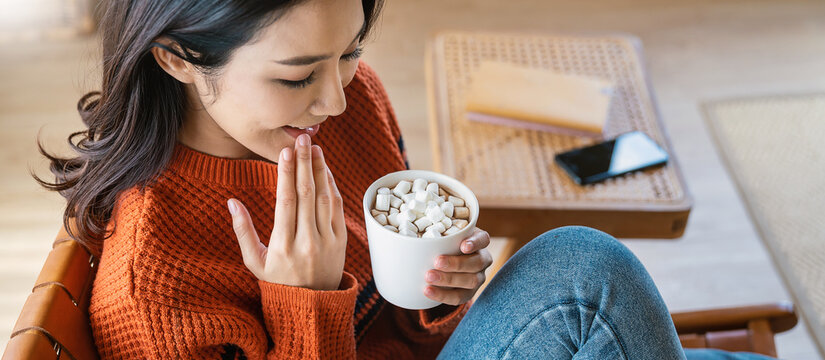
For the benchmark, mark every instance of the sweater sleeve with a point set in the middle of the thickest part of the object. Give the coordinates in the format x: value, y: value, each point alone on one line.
x: 310, y: 324
x: 298, y: 323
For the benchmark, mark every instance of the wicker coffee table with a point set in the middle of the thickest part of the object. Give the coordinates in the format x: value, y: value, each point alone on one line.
x: 522, y: 192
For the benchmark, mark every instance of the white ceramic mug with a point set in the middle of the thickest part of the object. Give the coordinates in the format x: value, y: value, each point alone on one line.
x: 400, y: 263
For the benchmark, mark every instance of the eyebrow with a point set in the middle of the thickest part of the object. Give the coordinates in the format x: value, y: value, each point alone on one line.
x: 311, y: 59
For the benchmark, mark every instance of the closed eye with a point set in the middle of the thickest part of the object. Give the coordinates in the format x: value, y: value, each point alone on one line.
x: 353, y: 55
x: 300, y: 83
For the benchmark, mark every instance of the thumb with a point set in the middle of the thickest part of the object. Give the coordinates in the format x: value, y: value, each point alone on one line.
x: 252, y: 249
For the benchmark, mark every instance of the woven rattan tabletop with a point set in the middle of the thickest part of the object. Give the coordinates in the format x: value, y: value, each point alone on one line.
x: 513, y: 169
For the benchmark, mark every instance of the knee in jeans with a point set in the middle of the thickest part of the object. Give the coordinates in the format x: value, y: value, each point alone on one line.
x: 575, y: 237
x: 590, y: 243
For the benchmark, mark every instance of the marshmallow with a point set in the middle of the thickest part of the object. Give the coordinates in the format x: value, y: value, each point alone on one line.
x: 439, y: 200
x: 448, y: 208
x: 447, y: 222
x: 395, y: 201
x: 430, y: 234
x: 422, y: 196
x: 441, y: 192
x: 403, y: 208
x: 408, y: 232
x: 393, y: 211
x: 384, y: 190
x: 435, y: 213
x: 382, y: 219
x: 390, y: 227
x: 382, y: 202
x: 460, y: 223
x: 402, y: 188
x: 406, y: 225
x: 419, y: 184
x: 457, y: 201
x: 437, y: 227
x: 393, y: 220
x: 423, y: 223
x: 462, y: 212
x: 432, y: 188
x: 451, y: 230
x: 408, y: 197
x: 406, y: 215
x: 376, y: 212
x: 415, y: 205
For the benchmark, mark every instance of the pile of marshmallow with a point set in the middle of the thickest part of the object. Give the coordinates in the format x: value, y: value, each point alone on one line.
x: 420, y: 209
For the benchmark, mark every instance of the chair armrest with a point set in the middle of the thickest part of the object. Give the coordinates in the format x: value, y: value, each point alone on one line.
x: 780, y: 316
x: 54, y: 320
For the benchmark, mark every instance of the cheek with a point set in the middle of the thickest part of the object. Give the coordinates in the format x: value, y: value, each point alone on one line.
x: 252, y: 105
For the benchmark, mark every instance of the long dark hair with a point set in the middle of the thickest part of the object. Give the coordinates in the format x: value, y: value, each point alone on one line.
x: 133, y: 121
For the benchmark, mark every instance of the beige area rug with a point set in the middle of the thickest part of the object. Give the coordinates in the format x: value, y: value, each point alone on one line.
x: 774, y: 148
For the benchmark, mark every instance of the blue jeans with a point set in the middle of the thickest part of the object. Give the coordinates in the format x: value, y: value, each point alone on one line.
x: 572, y: 293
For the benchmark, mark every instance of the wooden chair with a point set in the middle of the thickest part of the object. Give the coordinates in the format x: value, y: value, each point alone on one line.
x: 748, y: 328
x: 54, y: 322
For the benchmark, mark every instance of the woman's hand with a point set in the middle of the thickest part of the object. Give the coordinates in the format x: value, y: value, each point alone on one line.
x: 459, y: 276
x: 309, y: 238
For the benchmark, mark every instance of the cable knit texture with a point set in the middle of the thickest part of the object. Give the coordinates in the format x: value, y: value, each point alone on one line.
x: 172, y: 283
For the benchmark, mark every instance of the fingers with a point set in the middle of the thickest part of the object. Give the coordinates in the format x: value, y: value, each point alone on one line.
x: 479, y: 239
x: 455, y: 279
x: 252, y: 250
x: 323, y: 198
x: 339, y: 226
x: 304, y: 184
x: 475, y: 262
x: 286, y: 201
x: 449, y: 296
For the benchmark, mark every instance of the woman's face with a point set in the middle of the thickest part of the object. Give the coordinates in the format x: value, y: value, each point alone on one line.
x: 292, y: 74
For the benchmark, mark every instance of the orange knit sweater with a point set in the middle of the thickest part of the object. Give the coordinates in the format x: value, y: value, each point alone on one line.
x: 172, y: 284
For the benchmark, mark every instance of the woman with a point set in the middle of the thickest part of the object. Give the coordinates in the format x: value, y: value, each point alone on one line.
x: 214, y: 103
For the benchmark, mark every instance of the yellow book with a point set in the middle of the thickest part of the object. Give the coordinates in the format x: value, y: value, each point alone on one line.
x: 538, y: 99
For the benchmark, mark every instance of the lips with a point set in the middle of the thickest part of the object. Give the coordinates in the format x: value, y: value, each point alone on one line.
x: 295, y: 132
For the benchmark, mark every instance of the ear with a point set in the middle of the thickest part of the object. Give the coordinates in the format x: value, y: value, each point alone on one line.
x: 173, y: 65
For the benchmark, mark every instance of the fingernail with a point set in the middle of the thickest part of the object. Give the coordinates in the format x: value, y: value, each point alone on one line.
x: 233, y: 209
x: 303, y: 140
x: 429, y: 291
x: 441, y: 263
x: 431, y: 276
x: 286, y: 154
x: 468, y: 245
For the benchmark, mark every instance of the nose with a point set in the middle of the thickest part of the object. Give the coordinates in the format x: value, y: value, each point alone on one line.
x: 331, y: 100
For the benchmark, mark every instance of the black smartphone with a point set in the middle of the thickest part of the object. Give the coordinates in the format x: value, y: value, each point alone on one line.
x: 626, y: 153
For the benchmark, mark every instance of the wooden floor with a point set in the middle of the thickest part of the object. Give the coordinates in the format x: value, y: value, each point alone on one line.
x: 695, y: 50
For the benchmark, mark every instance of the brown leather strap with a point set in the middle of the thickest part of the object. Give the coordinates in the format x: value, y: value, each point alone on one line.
x: 31, y: 344
x: 68, y: 266
x: 50, y: 310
